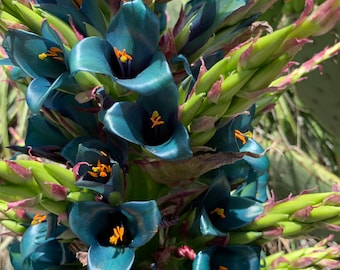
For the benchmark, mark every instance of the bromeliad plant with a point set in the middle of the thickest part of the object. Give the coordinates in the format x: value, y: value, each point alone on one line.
x: 139, y: 150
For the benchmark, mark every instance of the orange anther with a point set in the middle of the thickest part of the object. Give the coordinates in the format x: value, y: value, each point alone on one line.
x: 38, y: 218
x: 218, y: 211
x: 118, y: 233
x: 122, y: 55
x: 156, y: 119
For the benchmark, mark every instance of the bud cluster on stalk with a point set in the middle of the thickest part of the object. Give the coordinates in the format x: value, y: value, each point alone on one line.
x: 251, y: 70
x: 319, y: 256
x: 35, y: 187
x: 293, y: 216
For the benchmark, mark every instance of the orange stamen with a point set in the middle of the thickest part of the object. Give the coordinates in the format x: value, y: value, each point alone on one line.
x: 118, y: 233
x: 100, y: 170
x: 122, y: 55
x: 38, y: 218
x: 218, y: 211
x: 242, y: 136
x: 222, y: 268
x: 156, y: 119
x: 53, y: 52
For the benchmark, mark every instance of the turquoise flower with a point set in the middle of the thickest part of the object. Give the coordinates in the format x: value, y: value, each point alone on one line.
x: 85, y: 15
x: 129, y: 54
x: 113, y: 233
x: 63, y: 120
x: 95, y: 165
x: 232, y: 257
x: 39, y: 248
x: 43, y: 58
x: 152, y: 123
x: 219, y: 212
x: 250, y: 173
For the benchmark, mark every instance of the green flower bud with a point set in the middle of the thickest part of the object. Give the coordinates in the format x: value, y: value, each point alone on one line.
x: 243, y: 238
x: 54, y: 207
x: 266, y: 221
x: 13, y: 226
x: 261, y: 51
x: 190, y: 108
x: 78, y: 196
x: 298, y: 202
x: 64, y: 176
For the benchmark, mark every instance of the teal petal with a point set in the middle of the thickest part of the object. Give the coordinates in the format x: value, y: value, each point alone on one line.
x: 207, y: 227
x: 260, y: 164
x: 124, y: 32
x: 218, y: 193
x: 50, y: 34
x: 24, y: 49
x: 206, y: 20
x: 176, y: 148
x: 237, y: 257
x: 100, y: 257
x: 232, y: 257
x: 86, y: 219
x: 241, y: 212
x: 155, y: 76
x: 15, y: 255
x: 202, y: 260
x: 147, y: 217
x: 40, y: 132
x: 37, y: 92
x: 39, y: 250
x: 93, y: 55
x: 87, y: 13
x: 126, y: 119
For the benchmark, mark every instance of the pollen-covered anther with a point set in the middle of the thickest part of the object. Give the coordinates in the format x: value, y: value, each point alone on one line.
x: 54, y: 52
x: 122, y: 55
x: 218, y: 211
x: 156, y: 119
x: 38, y: 218
x: 118, y: 233
x: 101, y: 170
x: 242, y: 136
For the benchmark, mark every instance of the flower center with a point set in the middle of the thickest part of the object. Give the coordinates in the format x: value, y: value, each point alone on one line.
x: 218, y: 211
x: 38, y: 218
x: 242, y: 136
x: 124, y: 62
x: 156, y: 119
x: 54, y: 52
x: 118, y: 233
x: 101, y: 170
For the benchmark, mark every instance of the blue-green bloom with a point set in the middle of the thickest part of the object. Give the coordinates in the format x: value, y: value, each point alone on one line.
x: 233, y: 257
x: 113, y: 233
x: 205, y: 28
x: 85, y: 15
x: 219, y: 212
x: 129, y: 55
x: 39, y: 248
x: 151, y: 122
x: 44, y: 58
x: 63, y: 120
x: 94, y: 164
x: 236, y: 136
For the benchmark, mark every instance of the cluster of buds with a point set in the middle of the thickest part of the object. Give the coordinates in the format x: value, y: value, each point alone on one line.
x: 320, y: 256
x: 291, y: 217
